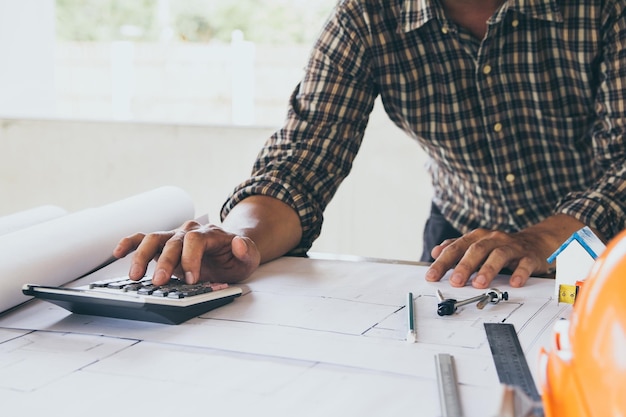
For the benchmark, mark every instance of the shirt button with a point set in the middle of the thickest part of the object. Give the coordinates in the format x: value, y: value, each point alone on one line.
x: 486, y: 69
x: 515, y: 23
x: 510, y: 178
x: 444, y: 30
x: 520, y: 211
x: 497, y: 127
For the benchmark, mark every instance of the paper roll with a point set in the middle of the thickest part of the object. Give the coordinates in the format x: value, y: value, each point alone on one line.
x: 60, y: 250
x: 23, y: 219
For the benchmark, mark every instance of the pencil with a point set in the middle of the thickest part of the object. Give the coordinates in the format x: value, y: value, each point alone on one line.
x: 411, y: 336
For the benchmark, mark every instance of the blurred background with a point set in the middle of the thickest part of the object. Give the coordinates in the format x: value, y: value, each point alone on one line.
x: 102, y: 99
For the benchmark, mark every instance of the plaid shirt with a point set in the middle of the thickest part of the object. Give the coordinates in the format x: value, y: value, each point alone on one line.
x: 525, y: 124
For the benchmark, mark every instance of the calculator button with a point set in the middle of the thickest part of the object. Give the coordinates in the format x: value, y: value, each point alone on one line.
x: 133, y: 287
x: 146, y: 290
x: 176, y: 294
x: 118, y: 285
x: 161, y: 292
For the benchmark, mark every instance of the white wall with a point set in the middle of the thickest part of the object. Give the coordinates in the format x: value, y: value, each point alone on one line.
x: 378, y: 212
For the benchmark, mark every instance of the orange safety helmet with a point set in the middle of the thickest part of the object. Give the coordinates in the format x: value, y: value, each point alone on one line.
x: 584, y: 374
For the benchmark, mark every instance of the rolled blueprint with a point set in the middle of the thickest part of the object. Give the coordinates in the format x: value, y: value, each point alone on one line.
x: 30, y: 217
x: 60, y: 250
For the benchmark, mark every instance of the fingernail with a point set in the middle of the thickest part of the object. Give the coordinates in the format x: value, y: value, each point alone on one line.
x: 516, y: 281
x: 189, y: 278
x: 431, y: 275
x: 160, y: 276
x: 135, y: 270
x: 456, y: 279
x: 480, y: 280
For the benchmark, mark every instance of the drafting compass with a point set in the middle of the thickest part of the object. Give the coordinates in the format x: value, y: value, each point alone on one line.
x: 447, y: 306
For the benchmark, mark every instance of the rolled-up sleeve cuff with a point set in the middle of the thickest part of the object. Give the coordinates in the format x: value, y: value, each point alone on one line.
x: 310, y: 217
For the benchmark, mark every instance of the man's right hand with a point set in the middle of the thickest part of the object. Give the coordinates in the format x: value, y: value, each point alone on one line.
x: 193, y: 253
x: 256, y: 230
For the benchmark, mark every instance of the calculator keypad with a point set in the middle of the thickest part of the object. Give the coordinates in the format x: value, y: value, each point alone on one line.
x: 175, y: 288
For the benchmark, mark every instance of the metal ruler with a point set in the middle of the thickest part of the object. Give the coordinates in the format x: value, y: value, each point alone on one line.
x: 448, y: 387
x: 509, y: 359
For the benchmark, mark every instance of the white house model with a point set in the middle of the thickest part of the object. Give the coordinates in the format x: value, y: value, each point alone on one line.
x: 574, y: 260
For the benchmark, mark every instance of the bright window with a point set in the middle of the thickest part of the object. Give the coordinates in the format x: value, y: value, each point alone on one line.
x: 173, y: 61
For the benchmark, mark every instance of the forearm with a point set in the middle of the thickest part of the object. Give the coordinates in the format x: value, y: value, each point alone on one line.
x: 273, y: 225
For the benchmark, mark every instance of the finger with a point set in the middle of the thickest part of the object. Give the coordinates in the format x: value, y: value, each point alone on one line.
x: 520, y: 275
x: 194, y: 246
x: 190, y: 225
x: 498, y: 258
x: 246, y: 251
x: 482, y: 256
x: 148, y: 248
x: 448, y: 258
x: 437, y: 249
x: 460, y: 275
x: 169, y: 259
x: 433, y: 274
x: 128, y: 244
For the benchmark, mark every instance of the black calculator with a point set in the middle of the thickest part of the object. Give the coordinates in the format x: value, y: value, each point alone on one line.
x: 172, y: 303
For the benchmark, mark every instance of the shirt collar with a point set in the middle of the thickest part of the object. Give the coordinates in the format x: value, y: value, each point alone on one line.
x: 416, y: 13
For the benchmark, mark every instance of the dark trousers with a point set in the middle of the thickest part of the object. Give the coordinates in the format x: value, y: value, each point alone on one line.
x: 436, y: 230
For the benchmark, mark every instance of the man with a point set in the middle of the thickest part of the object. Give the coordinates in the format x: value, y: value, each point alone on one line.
x: 518, y: 104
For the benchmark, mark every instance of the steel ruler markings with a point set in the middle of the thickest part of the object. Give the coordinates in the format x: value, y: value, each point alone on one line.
x: 509, y: 358
x: 448, y: 387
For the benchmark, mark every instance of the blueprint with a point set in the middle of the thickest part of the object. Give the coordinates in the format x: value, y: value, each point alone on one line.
x: 327, y: 333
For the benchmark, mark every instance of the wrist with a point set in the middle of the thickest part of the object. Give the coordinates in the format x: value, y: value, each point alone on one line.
x: 550, y: 234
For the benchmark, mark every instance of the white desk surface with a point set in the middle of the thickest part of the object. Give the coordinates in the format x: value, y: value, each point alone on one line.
x: 309, y: 337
